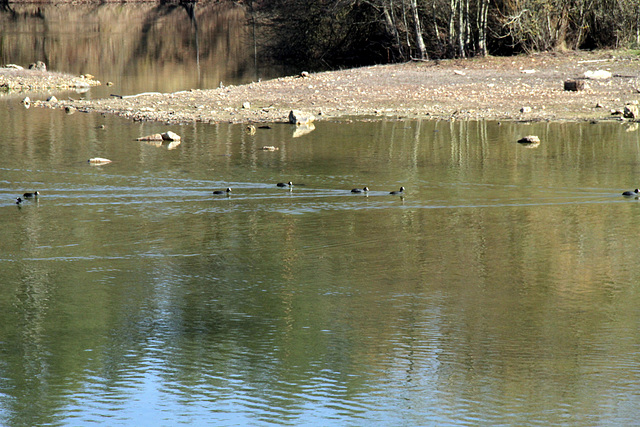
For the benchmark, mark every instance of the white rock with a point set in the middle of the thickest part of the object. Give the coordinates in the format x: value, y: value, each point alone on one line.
x: 298, y: 117
x: 170, y: 136
x: 598, y: 75
x: 99, y: 160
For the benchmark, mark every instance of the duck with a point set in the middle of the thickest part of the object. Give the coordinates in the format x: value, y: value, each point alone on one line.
x: 398, y: 192
x: 635, y: 192
x: 357, y: 190
x: 285, y: 184
x: 227, y: 191
x: 18, y: 201
x: 29, y: 195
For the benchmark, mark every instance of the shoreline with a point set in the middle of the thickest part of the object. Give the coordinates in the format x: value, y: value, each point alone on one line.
x: 522, y: 88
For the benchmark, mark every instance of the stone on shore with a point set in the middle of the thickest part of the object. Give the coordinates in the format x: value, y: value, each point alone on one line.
x: 38, y: 66
x: 598, y: 75
x: 574, y: 85
x: 631, y: 112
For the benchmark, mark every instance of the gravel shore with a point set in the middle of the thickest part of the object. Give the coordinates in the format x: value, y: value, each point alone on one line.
x: 526, y: 88
x: 24, y: 80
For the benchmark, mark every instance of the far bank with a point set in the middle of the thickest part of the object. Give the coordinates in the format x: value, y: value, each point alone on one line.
x: 528, y: 88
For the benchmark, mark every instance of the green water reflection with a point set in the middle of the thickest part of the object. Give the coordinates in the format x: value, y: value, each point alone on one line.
x: 500, y: 289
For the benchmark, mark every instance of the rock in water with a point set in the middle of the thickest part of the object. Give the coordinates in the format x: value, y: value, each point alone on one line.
x: 154, y: 137
x: 297, y: 117
x: 170, y: 136
x: 529, y: 140
x: 99, y: 161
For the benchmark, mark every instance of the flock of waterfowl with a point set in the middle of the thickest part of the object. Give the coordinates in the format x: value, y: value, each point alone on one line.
x: 227, y: 192
x: 290, y: 186
x: 35, y: 194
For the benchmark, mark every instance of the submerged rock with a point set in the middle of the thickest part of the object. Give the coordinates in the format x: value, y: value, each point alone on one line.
x: 154, y: 137
x: 530, y: 140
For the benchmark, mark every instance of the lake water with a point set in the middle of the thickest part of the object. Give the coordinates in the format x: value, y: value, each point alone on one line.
x: 501, y: 289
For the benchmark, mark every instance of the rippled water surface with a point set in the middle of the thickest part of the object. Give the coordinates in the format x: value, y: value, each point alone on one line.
x: 500, y: 289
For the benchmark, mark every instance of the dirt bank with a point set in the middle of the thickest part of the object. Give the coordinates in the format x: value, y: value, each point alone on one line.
x: 493, y: 88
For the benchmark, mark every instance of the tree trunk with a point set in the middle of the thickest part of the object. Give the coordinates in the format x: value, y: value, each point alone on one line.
x: 461, y: 29
x: 422, y: 49
x: 452, y: 24
x: 391, y: 26
x: 483, y: 10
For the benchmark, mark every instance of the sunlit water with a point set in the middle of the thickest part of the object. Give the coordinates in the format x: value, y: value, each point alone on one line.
x: 500, y: 289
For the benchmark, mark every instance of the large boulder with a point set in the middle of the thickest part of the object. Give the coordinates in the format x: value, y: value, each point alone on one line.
x: 297, y: 117
x: 170, y: 136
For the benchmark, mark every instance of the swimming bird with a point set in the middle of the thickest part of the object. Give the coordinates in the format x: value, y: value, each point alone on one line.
x: 18, y: 201
x: 632, y: 193
x: 227, y: 191
x: 398, y: 192
x: 285, y: 184
x: 357, y: 190
x: 29, y: 195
